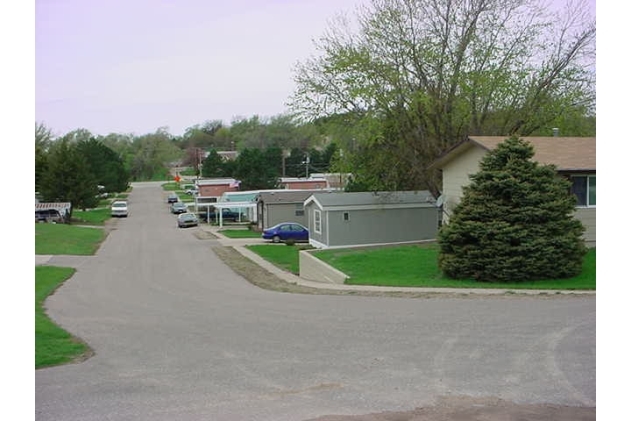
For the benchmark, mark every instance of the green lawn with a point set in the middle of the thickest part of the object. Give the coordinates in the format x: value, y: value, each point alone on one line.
x: 245, y: 233
x: 67, y: 239
x: 411, y: 266
x: 281, y: 255
x: 92, y: 216
x: 171, y: 186
x: 53, y: 345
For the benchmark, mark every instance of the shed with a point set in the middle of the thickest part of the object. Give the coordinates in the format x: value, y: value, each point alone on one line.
x: 274, y: 207
x: 371, y: 218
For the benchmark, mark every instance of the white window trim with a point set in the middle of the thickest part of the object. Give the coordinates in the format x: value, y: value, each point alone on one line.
x: 317, y: 221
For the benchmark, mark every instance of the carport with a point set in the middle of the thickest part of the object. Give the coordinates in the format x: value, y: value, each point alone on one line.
x: 227, y: 205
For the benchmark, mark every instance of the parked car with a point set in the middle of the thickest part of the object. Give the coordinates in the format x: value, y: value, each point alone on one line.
x: 48, y: 215
x: 120, y: 209
x: 286, y: 231
x: 187, y: 220
x: 172, y: 198
x: 192, y: 192
x: 179, y: 207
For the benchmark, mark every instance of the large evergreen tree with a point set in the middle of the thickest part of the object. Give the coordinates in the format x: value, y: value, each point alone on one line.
x: 68, y: 177
x: 106, y: 165
x: 514, y: 223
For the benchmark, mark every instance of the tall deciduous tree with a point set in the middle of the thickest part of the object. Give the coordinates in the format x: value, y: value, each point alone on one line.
x: 417, y: 76
x: 152, y: 155
x: 515, y: 222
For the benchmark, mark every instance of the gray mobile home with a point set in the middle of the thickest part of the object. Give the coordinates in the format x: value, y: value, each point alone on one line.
x: 370, y: 218
x: 274, y: 207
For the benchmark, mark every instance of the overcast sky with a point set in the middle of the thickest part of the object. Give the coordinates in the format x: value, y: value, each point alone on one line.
x: 135, y: 65
x: 132, y: 66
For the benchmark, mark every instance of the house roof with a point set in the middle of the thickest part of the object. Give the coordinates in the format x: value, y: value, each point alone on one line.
x: 286, y: 196
x: 53, y: 205
x: 215, y: 181
x: 566, y: 153
x: 372, y: 200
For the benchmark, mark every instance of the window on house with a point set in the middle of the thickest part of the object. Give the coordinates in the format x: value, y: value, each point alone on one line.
x: 347, y: 217
x: 300, y: 210
x: 317, y: 222
x: 584, y: 188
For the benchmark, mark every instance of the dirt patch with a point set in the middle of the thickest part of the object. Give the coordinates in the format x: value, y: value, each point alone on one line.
x: 464, y: 408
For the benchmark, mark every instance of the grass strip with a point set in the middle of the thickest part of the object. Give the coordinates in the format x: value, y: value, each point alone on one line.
x: 67, y: 239
x: 53, y: 345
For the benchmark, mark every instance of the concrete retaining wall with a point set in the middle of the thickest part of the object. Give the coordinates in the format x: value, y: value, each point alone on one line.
x: 314, y: 269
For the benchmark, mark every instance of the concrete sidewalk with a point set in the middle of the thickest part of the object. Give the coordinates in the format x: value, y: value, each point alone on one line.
x: 239, y: 245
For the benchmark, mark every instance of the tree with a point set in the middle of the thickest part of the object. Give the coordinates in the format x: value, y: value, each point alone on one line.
x: 254, y: 171
x: 419, y: 76
x: 514, y: 223
x: 106, y: 165
x: 152, y: 154
x: 213, y: 165
x: 68, y: 177
x: 43, y: 141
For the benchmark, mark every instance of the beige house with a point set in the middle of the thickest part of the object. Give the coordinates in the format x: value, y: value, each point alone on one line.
x: 574, y: 158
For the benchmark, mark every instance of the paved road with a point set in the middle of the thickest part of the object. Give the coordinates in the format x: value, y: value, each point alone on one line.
x: 178, y: 335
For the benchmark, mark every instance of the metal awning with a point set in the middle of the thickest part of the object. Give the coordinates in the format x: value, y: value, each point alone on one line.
x: 227, y: 205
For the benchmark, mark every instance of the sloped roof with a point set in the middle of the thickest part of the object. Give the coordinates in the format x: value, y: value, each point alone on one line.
x: 286, y: 196
x: 372, y: 199
x: 53, y: 205
x: 215, y: 181
x: 566, y: 153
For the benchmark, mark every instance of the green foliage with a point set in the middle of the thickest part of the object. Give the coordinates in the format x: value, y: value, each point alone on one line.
x: 53, y: 345
x: 407, y: 79
x: 258, y: 169
x: 213, y: 165
x: 68, y: 177
x: 514, y: 223
x: 152, y: 154
x: 106, y: 165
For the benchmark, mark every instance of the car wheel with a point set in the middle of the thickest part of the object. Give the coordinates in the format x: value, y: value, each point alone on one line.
x: 276, y: 239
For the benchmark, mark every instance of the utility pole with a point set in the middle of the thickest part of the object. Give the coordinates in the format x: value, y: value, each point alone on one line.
x: 307, y: 165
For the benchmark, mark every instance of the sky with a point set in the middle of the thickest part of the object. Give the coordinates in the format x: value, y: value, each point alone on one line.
x: 132, y: 66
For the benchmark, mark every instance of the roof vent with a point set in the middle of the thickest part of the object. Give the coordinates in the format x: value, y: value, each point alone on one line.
x: 555, y: 132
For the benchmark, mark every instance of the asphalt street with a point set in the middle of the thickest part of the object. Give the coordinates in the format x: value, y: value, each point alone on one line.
x: 177, y: 335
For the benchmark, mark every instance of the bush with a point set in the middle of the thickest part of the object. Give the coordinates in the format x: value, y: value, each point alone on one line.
x: 514, y: 223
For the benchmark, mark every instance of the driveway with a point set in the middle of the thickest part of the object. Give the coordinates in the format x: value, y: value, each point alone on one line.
x: 178, y: 335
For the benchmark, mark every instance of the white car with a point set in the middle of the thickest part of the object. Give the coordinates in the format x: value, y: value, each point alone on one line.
x: 120, y: 209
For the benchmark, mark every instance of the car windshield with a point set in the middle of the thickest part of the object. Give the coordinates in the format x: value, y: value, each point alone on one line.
x: 119, y: 205
x: 187, y: 216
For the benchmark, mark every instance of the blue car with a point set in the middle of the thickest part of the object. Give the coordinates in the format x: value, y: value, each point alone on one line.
x: 286, y: 231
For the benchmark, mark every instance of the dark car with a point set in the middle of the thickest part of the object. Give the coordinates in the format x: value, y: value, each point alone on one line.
x: 48, y: 215
x: 179, y: 207
x: 286, y: 231
x: 172, y: 198
x: 187, y: 220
